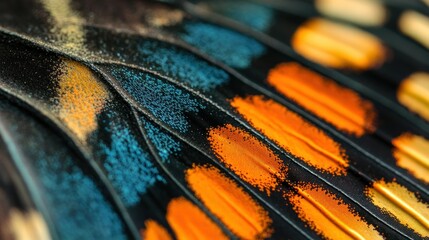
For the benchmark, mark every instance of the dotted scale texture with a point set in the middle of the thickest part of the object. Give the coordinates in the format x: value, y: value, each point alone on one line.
x: 231, y: 119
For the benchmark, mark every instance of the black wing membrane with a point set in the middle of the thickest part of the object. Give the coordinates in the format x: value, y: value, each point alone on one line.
x: 210, y: 120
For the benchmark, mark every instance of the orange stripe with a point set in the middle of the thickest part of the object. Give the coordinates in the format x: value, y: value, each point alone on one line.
x: 328, y: 215
x: 190, y: 223
x: 413, y: 93
x: 355, y: 48
x: 154, y: 231
x: 293, y: 134
x: 412, y: 153
x: 402, y: 204
x: 249, y: 158
x: 339, y: 106
x: 229, y: 202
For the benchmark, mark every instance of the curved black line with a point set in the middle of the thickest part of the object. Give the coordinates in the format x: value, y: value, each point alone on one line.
x: 177, y: 182
x: 335, y: 75
x: 81, y: 151
x: 135, y: 105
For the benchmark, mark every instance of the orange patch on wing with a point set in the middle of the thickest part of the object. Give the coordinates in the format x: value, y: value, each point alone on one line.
x: 248, y: 157
x: 293, y: 133
x: 412, y: 153
x: 190, y: 223
x: 154, y: 231
x: 340, y: 106
x: 337, y: 45
x: 413, y: 93
x: 81, y: 96
x: 401, y: 204
x: 328, y: 215
x: 229, y: 202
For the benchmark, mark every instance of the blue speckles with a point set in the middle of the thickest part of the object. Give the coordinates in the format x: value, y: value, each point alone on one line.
x: 181, y: 65
x: 165, y: 101
x: 229, y: 47
x: 129, y: 168
x: 251, y: 14
x: 163, y: 142
x: 73, y: 198
x: 76, y: 201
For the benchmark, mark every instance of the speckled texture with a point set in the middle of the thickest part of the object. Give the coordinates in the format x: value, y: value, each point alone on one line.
x: 85, y: 72
x: 72, y: 196
x: 181, y: 65
x: 164, y: 100
x: 253, y: 15
x: 233, y: 49
x: 163, y: 142
x: 129, y: 167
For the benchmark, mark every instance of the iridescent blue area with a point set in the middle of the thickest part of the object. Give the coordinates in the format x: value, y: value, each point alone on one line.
x: 180, y: 65
x: 80, y: 210
x: 232, y: 48
x: 163, y: 142
x: 129, y: 167
x: 251, y: 14
x: 164, y: 100
x: 73, y: 199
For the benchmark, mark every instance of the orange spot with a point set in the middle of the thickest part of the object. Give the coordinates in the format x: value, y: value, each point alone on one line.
x: 413, y: 93
x: 337, y: 105
x: 154, y: 231
x: 401, y: 204
x: 328, y: 215
x: 412, y: 153
x: 337, y: 45
x: 249, y: 158
x: 293, y: 134
x: 189, y: 222
x: 80, y: 98
x: 229, y: 202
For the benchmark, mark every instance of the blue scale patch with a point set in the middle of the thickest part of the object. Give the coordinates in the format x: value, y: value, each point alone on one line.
x: 79, y: 209
x: 250, y: 14
x: 180, y: 65
x: 163, y: 142
x: 233, y: 49
x: 165, y: 101
x: 77, y: 201
x: 129, y: 167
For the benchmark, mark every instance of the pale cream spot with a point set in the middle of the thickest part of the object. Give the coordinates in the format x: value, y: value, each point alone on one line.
x: 27, y: 226
x: 413, y: 93
x: 416, y: 26
x: 362, y: 12
x: 67, y: 25
x: 163, y: 17
x: 412, y: 153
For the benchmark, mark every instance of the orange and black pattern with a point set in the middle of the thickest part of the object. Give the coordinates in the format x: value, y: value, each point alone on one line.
x: 231, y: 119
